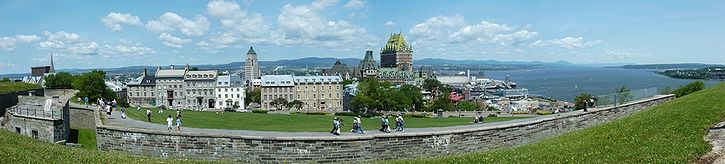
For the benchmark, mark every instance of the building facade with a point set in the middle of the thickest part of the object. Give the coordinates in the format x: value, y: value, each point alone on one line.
x: 142, y: 91
x: 338, y: 69
x: 251, y: 66
x: 276, y: 86
x: 170, y: 87
x: 200, y: 87
x: 230, y: 92
x: 397, y: 54
x: 319, y: 93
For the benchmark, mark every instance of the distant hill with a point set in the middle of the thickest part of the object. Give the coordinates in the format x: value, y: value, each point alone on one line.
x: 432, y: 61
x: 302, y: 62
x: 669, y: 66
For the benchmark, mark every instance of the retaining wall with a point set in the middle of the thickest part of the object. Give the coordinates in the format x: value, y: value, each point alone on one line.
x: 363, y: 148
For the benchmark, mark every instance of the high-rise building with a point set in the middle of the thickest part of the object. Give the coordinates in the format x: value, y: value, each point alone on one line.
x: 251, y: 66
x: 397, y: 54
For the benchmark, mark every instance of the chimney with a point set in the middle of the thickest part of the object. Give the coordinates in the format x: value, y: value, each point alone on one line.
x: 145, y: 72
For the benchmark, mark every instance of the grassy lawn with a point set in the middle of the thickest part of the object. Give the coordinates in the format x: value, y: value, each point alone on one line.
x: 290, y: 123
x: 669, y: 133
x: 8, y: 87
x: 87, y: 138
x: 16, y: 148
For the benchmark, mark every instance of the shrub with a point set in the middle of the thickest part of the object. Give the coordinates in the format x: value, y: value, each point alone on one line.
x: 346, y: 114
x: 520, y: 112
x: 417, y: 115
x: 492, y: 115
x: 543, y: 112
x: 689, y: 88
x: 260, y: 111
x: 315, y: 113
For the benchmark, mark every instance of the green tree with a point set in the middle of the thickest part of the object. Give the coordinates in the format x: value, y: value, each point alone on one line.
x: 581, y: 101
x: 413, y: 94
x: 468, y: 106
x: 624, y: 94
x: 91, y: 85
x: 194, y: 69
x: 60, y: 80
x: 279, y: 103
x: 441, y: 103
x: 346, y: 82
x: 5, y: 79
x: 369, y: 97
x: 253, y: 96
x: 297, y: 104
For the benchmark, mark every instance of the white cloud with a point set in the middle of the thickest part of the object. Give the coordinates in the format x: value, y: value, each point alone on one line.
x: 303, y: 24
x: 172, y: 41
x: 354, y: 4
x: 169, y: 22
x: 389, y: 24
x: 435, y: 29
x: 114, y: 20
x: 72, y: 43
x: 567, y: 42
x: 9, y: 43
x: 238, y: 25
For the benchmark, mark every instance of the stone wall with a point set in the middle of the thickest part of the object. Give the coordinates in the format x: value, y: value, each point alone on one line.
x: 50, y: 130
x: 362, y: 148
x: 81, y: 118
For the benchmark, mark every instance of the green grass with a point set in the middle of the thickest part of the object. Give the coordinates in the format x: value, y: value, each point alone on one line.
x: 16, y: 148
x: 290, y: 123
x: 669, y: 133
x: 9, y: 87
x: 87, y: 138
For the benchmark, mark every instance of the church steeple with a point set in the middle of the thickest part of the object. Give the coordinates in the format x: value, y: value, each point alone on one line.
x: 251, y: 51
x: 52, y: 67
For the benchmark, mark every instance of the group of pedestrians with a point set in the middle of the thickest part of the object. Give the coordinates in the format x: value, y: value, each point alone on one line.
x: 357, y: 128
x: 108, y: 107
x: 170, y: 122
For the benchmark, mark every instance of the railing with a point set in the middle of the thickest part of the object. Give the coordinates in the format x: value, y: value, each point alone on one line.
x: 35, y: 112
x: 625, y: 97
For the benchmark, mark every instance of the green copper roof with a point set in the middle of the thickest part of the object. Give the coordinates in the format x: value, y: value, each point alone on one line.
x: 396, y: 43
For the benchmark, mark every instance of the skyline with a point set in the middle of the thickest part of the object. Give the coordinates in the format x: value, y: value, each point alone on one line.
x: 116, y: 34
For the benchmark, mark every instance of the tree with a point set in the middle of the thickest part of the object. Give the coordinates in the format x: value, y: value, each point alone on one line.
x: 60, y: 80
x: 468, y: 106
x: 624, y: 94
x: 279, y: 103
x: 369, y: 96
x: 5, y: 79
x: 253, y: 96
x: 194, y: 69
x: 432, y: 85
x: 346, y: 82
x: 297, y: 104
x: 91, y: 85
x: 581, y: 101
x: 412, y: 93
x: 441, y: 102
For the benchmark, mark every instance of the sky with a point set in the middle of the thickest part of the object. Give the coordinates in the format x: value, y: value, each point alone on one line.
x: 102, y: 34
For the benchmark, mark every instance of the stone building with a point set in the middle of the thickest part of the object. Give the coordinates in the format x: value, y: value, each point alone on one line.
x: 338, y: 69
x: 230, y: 92
x: 251, y: 66
x: 276, y: 86
x: 141, y: 91
x: 319, y: 93
x: 368, y: 67
x: 46, y: 118
x: 397, y: 54
x: 200, y: 87
x: 170, y: 87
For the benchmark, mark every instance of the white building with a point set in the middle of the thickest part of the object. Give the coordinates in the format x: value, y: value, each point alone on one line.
x: 230, y: 92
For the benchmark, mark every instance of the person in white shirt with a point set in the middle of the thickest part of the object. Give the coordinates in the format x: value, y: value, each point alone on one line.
x: 148, y: 114
x: 399, y: 122
x: 169, y: 123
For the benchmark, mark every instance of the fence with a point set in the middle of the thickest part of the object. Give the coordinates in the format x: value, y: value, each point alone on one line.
x: 35, y: 112
x: 624, y: 97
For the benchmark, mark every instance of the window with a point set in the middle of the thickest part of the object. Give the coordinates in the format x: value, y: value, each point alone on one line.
x: 17, y: 130
x: 226, y: 96
x: 238, y: 96
x: 35, y: 134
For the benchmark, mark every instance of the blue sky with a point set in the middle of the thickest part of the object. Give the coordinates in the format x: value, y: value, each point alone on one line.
x: 92, y: 34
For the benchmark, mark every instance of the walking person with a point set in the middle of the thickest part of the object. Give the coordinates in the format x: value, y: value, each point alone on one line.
x: 178, y: 123
x: 138, y: 108
x: 384, y: 124
x: 399, y: 123
x: 169, y: 123
x: 335, y: 126
x: 123, y: 113
x: 148, y: 114
x: 108, y: 111
x: 359, y: 125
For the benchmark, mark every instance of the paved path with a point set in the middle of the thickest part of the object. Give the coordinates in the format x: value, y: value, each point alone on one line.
x: 132, y: 123
x: 716, y: 137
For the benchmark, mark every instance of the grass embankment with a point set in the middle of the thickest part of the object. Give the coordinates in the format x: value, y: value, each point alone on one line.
x: 16, y: 148
x: 9, y: 87
x: 669, y: 133
x: 289, y: 122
